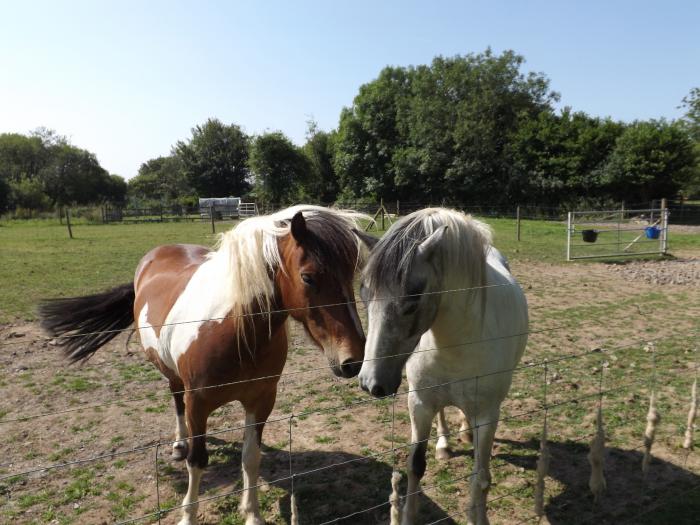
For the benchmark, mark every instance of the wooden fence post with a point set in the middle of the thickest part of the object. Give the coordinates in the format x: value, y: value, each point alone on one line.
x: 70, y: 231
x: 381, y: 207
x: 211, y: 214
x: 517, y: 218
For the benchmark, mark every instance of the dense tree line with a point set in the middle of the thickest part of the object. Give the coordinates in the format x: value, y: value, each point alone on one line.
x: 466, y: 129
x: 43, y: 170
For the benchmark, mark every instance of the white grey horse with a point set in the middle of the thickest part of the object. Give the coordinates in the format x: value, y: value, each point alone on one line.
x: 438, y: 293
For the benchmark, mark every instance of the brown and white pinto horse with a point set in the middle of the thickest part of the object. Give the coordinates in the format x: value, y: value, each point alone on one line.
x: 209, y: 318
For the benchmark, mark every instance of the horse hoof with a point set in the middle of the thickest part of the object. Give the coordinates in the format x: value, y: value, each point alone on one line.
x: 179, y: 453
x: 443, y: 454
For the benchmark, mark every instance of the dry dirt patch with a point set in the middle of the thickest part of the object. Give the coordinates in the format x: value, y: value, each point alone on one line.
x: 117, y: 403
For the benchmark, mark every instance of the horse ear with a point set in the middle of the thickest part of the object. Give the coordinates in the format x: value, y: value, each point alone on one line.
x: 426, y: 249
x: 367, y: 239
x: 298, y: 227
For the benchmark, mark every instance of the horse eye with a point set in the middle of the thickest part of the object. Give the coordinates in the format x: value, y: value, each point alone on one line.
x: 308, y: 279
x: 410, y: 309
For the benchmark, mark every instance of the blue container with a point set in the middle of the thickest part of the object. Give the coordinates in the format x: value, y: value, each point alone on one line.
x: 652, y: 232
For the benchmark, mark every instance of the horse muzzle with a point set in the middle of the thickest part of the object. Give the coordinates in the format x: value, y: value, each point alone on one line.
x: 379, y: 387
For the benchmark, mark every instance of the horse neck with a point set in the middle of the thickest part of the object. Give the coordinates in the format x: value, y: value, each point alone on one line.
x: 461, y: 305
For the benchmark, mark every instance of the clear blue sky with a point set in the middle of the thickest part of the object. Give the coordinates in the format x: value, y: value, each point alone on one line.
x: 126, y: 79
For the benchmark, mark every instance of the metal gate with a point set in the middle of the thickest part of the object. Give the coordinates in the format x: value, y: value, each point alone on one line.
x: 616, y: 233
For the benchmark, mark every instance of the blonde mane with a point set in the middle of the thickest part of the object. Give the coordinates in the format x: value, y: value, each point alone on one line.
x: 249, y: 252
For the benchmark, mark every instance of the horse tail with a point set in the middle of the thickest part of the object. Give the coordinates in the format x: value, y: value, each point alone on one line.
x: 81, y: 325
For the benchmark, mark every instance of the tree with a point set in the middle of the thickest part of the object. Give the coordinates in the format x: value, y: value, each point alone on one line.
x: 557, y: 158
x: 74, y: 176
x: 322, y: 180
x: 651, y: 159
x: 280, y: 169
x: 215, y: 159
x: 691, y: 123
x: 440, y: 131
x: 161, y: 180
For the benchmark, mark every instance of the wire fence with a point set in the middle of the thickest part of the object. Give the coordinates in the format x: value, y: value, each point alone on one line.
x: 547, y: 406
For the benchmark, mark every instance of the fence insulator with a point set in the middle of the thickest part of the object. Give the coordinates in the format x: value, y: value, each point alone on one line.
x: 394, y: 499
x: 692, y: 413
x: 596, y: 457
x: 542, y: 471
x: 653, y: 419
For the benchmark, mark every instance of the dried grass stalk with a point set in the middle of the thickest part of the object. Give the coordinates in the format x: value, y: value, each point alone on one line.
x: 596, y: 457
x: 294, y: 518
x: 692, y: 413
x: 394, y: 499
x: 653, y: 419
x: 542, y: 470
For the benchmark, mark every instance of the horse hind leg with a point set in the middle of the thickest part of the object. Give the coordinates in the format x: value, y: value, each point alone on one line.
x: 197, y: 457
x: 255, y: 419
x: 180, y: 449
x: 442, y: 449
x: 465, y: 429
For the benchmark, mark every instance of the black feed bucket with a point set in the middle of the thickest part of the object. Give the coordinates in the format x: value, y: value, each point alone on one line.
x: 589, y: 235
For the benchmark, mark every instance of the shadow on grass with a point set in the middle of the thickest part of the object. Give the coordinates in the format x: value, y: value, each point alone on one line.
x: 327, y: 486
x: 669, y: 495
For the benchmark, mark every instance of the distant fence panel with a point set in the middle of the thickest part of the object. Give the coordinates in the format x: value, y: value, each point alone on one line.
x: 616, y: 233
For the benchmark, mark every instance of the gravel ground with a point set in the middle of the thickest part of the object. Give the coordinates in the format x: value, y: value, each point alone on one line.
x: 683, y: 272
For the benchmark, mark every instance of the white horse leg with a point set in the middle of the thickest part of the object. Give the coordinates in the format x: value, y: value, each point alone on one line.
x: 180, y: 444
x: 421, y: 421
x: 249, y: 506
x: 484, y: 433
x: 189, y: 504
x: 255, y: 418
x: 179, y: 449
x: 442, y: 449
x: 197, y: 457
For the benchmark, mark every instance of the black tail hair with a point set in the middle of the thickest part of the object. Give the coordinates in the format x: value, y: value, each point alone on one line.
x: 81, y: 325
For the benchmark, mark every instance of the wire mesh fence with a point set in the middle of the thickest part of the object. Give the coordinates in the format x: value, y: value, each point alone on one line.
x: 565, y: 389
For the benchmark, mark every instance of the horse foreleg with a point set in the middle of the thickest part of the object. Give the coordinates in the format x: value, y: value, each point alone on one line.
x: 179, y: 451
x: 197, y: 457
x: 484, y: 429
x: 255, y: 422
x: 421, y: 421
x: 442, y: 449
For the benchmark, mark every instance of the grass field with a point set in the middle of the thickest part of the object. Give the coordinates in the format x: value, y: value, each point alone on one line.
x: 118, y: 401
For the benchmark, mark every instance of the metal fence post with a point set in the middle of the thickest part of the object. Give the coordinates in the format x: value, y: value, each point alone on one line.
x: 664, y: 227
x: 211, y: 214
x: 568, y: 237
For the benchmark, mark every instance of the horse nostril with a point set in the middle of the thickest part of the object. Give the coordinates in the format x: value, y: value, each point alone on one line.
x: 350, y: 367
x: 377, y: 391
